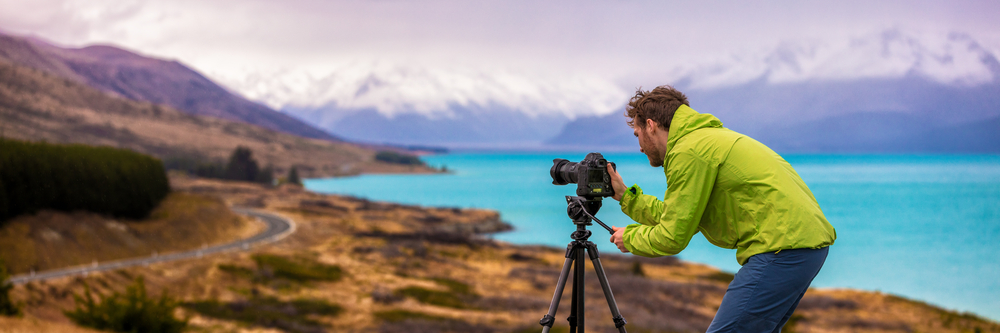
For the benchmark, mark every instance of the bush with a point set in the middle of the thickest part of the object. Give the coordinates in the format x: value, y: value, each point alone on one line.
x: 397, y: 158
x: 7, y: 306
x: 293, y: 176
x: 637, y: 269
x: 402, y: 315
x: 241, y: 166
x: 132, y: 312
x: 299, y: 270
x: 196, y: 165
x: 457, y: 296
x: 265, y: 176
x: 103, y: 180
x: 292, y: 316
x: 433, y: 297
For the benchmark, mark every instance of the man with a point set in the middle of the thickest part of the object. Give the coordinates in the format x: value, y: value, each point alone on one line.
x: 738, y: 193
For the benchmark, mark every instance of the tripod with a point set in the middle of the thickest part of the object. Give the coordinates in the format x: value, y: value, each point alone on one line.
x: 581, y: 210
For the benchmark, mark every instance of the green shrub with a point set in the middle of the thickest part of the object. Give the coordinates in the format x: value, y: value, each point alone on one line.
x: 239, y: 271
x: 293, y: 176
x: 196, y: 165
x: 721, y: 277
x: 456, y: 296
x: 401, y: 315
x: 265, y: 175
x: 7, y: 306
x: 241, y: 166
x: 637, y: 269
x: 290, y: 316
x: 299, y: 269
x: 433, y: 297
x: 389, y: 156
x: 133, y: 311
x: 455, y: 286
x: 103, y: 180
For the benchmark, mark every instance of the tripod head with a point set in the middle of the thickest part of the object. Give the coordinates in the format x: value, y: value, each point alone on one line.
x: 582, y: 211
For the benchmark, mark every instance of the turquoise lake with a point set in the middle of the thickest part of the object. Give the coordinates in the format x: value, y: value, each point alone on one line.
x: 923, y: 227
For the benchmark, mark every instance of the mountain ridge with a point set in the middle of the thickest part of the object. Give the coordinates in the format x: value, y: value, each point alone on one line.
x: 38, y: 106
x: 128, y: 74
x: 910, y: 115
x: 949, y: 79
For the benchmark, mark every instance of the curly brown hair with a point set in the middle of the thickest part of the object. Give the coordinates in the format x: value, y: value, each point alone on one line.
x: 658, y: 104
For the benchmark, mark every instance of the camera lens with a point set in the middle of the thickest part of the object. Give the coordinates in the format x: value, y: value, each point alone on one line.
x: 563, y: 171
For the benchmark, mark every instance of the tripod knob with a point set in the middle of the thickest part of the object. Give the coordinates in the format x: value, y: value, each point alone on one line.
x: 619, y: 321
x: 547, y: 321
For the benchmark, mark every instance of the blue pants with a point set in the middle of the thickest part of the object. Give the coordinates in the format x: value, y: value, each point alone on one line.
x: 766, y: 291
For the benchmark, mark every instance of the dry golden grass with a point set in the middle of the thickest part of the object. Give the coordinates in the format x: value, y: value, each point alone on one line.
x: 413, y: 269
x: 50, y: 239
x: 35, y: 325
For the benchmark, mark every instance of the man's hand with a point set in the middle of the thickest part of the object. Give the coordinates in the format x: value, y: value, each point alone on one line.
x: 617, y: 183
x: 618, y: 239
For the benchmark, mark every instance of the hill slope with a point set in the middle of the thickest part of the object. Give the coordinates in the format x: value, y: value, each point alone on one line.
x: 35, y: 105
x: 133, y: 76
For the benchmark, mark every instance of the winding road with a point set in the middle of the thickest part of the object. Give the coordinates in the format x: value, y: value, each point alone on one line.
x: 277, y: 228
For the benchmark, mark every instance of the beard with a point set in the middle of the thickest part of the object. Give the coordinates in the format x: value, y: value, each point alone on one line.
x: 648, y: 146
x: 655, y: 160
x: 654, y: 155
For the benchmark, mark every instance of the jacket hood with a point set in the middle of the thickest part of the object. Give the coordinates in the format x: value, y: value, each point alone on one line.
x: 687, y: 120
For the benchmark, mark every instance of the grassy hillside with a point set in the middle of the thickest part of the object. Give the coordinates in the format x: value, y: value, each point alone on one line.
x: 360, y: 266
x: 33, y: 325
x: 49, y: 239
x: 36, y: 106
x: 126, y: 74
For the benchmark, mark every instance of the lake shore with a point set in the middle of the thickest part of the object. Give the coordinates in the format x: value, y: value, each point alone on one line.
x: 411, y: 268
x: 921, y: 226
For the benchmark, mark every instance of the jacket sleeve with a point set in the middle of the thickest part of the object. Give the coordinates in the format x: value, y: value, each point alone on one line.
x: 675, y: 220
x: 642, y: 208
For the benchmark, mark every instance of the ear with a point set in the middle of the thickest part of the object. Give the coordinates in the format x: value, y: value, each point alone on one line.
x: 652, y: 125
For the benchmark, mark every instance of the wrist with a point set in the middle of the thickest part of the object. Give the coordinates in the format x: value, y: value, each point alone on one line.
x: 629, y: 194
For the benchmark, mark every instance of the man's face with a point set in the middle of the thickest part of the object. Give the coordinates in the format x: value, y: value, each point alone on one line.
x: 647, y: 145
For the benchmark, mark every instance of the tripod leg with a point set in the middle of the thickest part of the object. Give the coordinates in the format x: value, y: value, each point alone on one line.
x: 577, y: 325
x: 550, y: 317
x: 595, y: 257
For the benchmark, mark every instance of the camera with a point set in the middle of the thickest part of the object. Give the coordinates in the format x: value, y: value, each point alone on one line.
x: 590, y: 175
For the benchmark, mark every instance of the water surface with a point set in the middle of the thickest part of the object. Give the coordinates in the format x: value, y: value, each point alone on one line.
x: 924, y: 227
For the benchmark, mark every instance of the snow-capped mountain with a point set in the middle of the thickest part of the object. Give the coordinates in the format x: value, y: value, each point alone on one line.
x: 937, y: 79
x: 886, y: 93
x: 951, y: 58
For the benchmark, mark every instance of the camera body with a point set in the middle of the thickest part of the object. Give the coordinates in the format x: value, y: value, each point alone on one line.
x: 590, y: 175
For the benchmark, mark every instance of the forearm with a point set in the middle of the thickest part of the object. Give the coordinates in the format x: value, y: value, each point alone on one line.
x: 670, y: 224
x: 642, y: 208
x: 664, y: 239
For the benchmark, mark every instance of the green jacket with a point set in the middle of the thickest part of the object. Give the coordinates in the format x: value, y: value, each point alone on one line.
x: 737, y: 192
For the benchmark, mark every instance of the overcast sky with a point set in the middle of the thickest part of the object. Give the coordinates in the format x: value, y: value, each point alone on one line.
x: 422, y: 55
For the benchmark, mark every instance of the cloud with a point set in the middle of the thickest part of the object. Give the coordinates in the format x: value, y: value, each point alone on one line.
x: 948, y: 58
x: 392, y: 89
x: 564, y: 56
